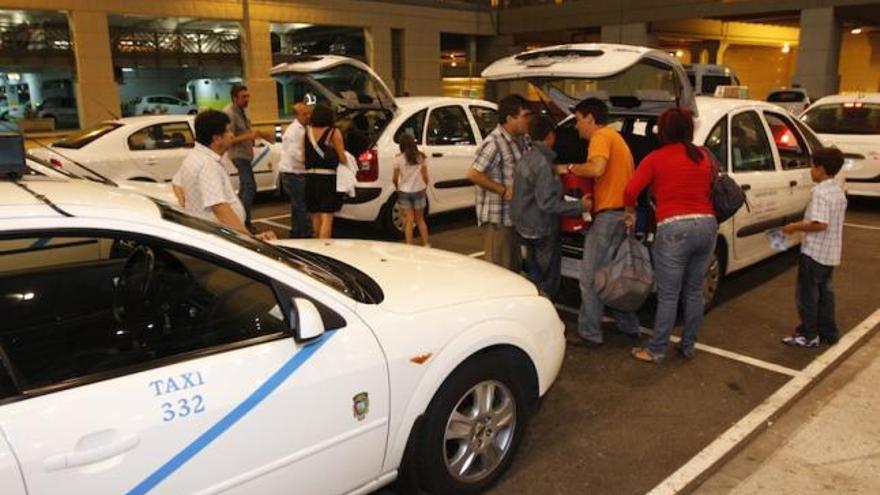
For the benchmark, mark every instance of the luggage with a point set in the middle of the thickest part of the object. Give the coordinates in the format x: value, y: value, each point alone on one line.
x: 627, y: 281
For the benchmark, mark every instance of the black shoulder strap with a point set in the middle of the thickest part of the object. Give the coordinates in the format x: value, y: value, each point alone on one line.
x: 326, y: 135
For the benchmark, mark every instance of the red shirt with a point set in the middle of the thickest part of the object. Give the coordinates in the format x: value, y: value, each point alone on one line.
x: 680, y: 186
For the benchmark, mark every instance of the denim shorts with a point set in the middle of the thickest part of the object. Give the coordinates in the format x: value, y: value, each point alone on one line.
x: 415, y: 200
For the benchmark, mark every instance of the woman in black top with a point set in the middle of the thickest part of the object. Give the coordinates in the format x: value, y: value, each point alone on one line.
x: 324, y: 150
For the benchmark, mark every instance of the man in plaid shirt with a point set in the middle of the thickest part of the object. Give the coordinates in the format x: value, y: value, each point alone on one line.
x: 820, y: 253
x: 492, y: 173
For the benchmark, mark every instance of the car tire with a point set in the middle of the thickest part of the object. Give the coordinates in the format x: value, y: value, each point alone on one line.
x: 712, y: 279
x: 391, y: 218
x: 488, y: 397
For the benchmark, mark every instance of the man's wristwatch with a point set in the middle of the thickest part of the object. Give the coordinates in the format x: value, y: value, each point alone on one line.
x: 570, y: 165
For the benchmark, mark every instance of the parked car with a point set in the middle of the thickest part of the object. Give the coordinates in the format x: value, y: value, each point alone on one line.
x: 42, y: 168
x: 762, y: 147
x: 148, y: 148
x: 852, y: 123
x: 795, y: 100
x: 705, y: 78
x: 145, y: 350
x: 12, y: 112
x: 162, y: 105
x: 447, y: 130
x: 60, y: 109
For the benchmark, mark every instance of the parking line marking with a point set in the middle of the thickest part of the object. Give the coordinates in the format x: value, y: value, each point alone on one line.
x: 743, y: 359
x: 274, y: 224
x: 860, y: 226
x: 276, y: 217
x: 688, y: 477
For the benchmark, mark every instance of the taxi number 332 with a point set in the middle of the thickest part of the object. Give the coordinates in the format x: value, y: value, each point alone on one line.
x: 182, y: 408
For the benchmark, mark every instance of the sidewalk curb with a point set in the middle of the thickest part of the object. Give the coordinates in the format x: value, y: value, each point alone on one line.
x: 709, y: 460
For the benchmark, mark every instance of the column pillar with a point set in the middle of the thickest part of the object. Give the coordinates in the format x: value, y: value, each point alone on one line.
x: 97, y: 95
x: 818, y: 52
x: 256, y: 58
x: 421, y: 59
x: 378, y: 39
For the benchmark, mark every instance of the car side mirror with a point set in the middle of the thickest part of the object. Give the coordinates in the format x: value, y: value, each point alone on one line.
x: 305, y: 321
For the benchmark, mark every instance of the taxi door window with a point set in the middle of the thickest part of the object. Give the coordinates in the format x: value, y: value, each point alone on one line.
x: 788, y: 141
x: 413, y: 126
x: 486, y: 118
x: 449, y: 126
x: 76, y: 315
x: 749, y: 145
x: 716, y: 142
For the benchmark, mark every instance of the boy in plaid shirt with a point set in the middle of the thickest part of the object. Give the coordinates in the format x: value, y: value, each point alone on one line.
x: 820, y: 253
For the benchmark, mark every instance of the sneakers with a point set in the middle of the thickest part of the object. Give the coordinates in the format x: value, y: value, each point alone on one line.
x: 798, y: 340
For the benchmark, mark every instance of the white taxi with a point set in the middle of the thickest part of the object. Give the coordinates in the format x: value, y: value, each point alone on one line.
x: 447, y: 130
x: 761, y: 146
x: 146, y: 351
x: 148, y: 148
x: 851, y: 122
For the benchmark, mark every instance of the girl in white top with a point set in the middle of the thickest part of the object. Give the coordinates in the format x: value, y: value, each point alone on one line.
x: 411, y: 181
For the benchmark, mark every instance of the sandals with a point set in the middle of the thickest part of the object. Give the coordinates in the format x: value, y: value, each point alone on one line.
x: 643, y: 354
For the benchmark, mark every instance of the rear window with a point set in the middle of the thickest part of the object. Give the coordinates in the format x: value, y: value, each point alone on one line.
x: 709, y: 83
x: 844, y: 118
x: 786, y: 97
x: 79, y: 139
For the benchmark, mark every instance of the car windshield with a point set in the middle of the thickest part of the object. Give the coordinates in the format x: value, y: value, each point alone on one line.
x: 328, y: 271
x: 79, y: 139
x: 845, y: 118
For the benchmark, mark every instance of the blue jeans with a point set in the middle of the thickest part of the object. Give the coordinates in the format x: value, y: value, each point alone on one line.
x: 247, y: 186
x: 294, y: 186
x: 682, y: 252
x: 600, y: 244
x: 815, y: 300
x: 544, y: 263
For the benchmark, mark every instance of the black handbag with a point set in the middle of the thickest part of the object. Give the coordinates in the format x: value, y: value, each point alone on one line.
x: 726, y: 195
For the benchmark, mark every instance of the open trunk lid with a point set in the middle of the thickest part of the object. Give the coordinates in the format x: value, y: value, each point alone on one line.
x: 630, y: 79
x: 348, y: 84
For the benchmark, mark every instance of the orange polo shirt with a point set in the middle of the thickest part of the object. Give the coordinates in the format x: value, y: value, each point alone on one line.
x: 608, y: 188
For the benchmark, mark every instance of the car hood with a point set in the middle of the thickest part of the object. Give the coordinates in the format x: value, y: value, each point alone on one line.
x: 163, y: 192
x: 415, y: 279
x: 629, y: 78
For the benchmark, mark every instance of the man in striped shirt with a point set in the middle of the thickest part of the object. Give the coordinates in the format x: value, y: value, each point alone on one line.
x: 492, y: 172
x: 820, y: 253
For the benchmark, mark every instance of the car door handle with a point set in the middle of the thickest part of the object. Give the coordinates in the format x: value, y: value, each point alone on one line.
x: 436, y: 155
x: 746, y: 187
x: 90, y: 456
x: 151, y: 162
x: 792, y: 183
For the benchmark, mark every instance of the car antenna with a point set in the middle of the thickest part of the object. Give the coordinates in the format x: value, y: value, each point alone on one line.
x: 103, y: 107
x: 105, y: 180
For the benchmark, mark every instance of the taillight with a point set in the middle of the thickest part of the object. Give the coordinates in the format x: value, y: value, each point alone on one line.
x: 56, y: 163
x: 368, y: 166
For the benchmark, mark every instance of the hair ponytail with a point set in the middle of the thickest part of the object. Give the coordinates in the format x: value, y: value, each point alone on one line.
x: 410, y: 149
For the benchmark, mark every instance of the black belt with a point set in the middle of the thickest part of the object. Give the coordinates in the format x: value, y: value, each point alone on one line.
x: 298, y: 174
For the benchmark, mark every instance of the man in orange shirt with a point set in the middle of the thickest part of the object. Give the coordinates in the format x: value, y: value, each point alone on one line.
x: 610, y: 165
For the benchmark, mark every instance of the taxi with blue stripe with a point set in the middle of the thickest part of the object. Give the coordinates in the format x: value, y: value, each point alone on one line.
x: 146, y: 351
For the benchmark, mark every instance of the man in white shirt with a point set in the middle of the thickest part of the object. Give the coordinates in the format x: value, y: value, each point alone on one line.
x: 293, y: 171
x: 202, y: 184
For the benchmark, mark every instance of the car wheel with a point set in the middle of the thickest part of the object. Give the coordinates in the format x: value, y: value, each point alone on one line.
x: 473, y: 426
x: 391, y: 218
x: 713, y: 276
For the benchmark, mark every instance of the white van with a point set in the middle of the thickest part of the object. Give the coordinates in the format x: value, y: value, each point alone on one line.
x: 704, y: 78
x: 763, y: 148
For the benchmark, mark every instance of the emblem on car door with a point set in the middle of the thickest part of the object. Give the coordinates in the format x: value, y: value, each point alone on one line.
x: 361, y: 405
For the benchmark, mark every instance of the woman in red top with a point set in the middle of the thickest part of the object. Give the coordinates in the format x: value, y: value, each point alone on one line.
x: 680, y: 177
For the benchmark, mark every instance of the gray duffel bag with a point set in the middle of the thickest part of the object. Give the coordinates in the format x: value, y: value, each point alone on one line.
x: 626, y: 282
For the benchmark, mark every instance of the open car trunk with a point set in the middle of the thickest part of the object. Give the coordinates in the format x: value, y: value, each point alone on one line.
x: 363, y: 103
x: 637, y: 84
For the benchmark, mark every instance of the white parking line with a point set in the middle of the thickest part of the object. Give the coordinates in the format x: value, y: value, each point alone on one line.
x: 276, y: 217
x: 695, y: 471
x: 860, y: 226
